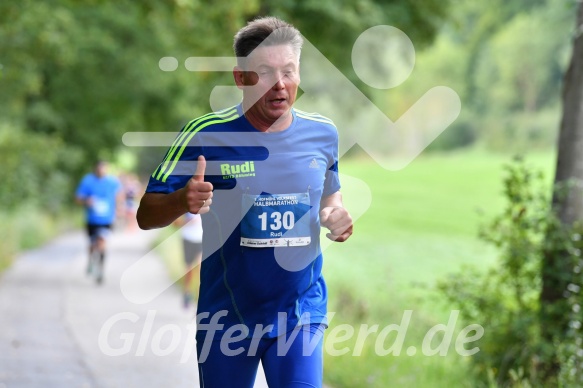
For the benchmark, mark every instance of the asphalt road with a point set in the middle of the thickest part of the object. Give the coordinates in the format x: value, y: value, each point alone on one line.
x: 58, y: 328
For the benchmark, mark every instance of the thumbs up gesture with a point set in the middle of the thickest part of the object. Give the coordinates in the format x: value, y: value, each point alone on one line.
x: 198, y: 194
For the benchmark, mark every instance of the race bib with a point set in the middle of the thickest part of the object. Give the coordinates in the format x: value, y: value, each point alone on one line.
x: 100, y: 206
x: 275, y: 220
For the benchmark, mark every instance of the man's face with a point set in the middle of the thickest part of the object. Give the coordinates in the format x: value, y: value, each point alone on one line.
x: 101, y: 169
x: 273, y: 73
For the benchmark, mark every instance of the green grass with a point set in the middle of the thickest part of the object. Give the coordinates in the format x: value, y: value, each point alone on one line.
x: 27, y: 227
x: 422, y: 224
x: 414, y: 227
x: 168, y: 245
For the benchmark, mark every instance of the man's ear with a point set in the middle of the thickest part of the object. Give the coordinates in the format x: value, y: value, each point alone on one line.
x: 239, y: 75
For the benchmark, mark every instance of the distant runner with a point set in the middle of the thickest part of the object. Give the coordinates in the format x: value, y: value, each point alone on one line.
x: 100, y: 194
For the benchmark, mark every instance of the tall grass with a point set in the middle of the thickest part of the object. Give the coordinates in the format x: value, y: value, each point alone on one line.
x: 422, y: 224
x: 172, y: 254
x: 28, y: 227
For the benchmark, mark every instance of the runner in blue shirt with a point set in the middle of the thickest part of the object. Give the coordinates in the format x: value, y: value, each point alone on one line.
x: 100, y: 194
x: 264, y: 176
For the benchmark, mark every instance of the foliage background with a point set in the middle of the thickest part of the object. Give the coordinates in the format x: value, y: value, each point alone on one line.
x: 76, y: 75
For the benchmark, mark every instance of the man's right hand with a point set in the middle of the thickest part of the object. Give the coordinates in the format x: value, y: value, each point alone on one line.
x: 197, y: 193
x: 158, y: 210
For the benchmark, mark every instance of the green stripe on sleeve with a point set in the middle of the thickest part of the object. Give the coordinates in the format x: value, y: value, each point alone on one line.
x: 185, y: 134
x: 190, y: 136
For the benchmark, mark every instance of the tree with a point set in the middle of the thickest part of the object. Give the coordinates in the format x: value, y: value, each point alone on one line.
x: 567, y: 201
x: 89, y: 72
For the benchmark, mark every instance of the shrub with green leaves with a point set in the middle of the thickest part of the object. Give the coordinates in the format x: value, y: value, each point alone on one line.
x: 35, y: 170
x: 505, y: 300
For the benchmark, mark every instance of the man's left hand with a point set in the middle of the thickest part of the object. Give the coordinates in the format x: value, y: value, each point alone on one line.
x: 338, y: 221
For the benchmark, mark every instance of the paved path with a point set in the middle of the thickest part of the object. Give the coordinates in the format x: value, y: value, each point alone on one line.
x: 59, y: 329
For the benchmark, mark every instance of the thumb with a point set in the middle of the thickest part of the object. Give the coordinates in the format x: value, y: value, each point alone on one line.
x: 200, y: 168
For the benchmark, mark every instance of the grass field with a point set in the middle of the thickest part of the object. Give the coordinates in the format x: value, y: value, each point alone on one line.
x: 414, y: 226
x: 422, y: 224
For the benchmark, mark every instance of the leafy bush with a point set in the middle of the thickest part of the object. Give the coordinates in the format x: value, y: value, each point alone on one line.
x: 35, y: 171
x: 570, y: 349
x: 36, y: 190
x: 26, y: 227
x: 463, y: 132
x: 506, y: 299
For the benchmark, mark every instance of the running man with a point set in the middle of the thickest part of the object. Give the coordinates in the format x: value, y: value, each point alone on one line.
x: 264, y: 176
x: 100, y: 194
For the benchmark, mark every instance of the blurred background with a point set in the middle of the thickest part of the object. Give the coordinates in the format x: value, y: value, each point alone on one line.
x: 464, y: 227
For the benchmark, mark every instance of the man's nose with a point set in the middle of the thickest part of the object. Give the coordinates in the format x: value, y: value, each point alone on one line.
x: 278, y: 82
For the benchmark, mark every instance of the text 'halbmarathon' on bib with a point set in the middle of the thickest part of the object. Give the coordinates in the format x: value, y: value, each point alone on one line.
x: 276, y: 220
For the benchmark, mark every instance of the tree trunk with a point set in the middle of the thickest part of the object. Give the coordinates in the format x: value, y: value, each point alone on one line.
x: 567, y: 203
x: 570, y: 151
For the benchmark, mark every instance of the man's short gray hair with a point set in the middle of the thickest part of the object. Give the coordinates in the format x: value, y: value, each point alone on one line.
x: 268, y: 31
